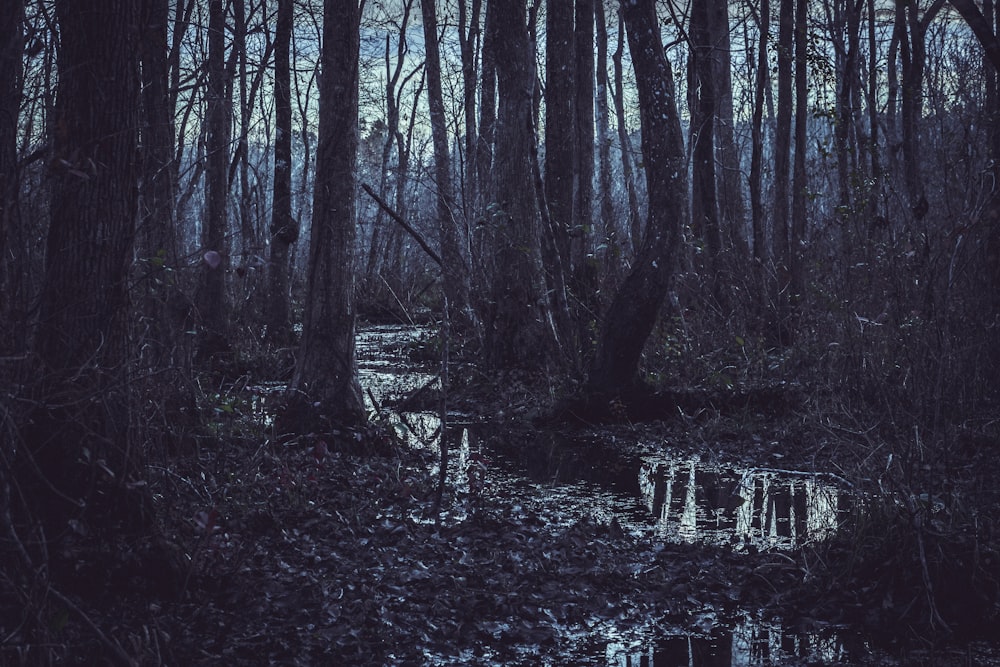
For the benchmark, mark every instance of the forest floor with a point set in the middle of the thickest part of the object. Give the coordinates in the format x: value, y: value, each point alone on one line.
x: 315, y: 551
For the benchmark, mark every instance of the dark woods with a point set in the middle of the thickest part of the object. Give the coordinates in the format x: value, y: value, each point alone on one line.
x: 617, y: 200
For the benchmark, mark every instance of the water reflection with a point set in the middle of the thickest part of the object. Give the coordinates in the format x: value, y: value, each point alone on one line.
x: 758, y: 508
x: 748, y: 642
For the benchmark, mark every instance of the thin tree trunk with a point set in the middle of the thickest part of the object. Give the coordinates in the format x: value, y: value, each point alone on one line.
x: 609, y: 224
x: 584, y: 276
x: 214, y: 304
x: 284, y: 227
x: 560, y: 125
x: 634, y: 221
x: 800, y: 183
x: 782, y: 157
x: 468, y: 35
x: 732, y: 208
x: 454, y: 267
x: 757, y: 140
x: 13, y: 310
x: 634, y: 309
x: 702, y: 104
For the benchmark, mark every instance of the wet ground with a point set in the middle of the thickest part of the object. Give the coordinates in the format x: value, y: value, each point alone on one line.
x: 686, y: 555
x: 566, y: 478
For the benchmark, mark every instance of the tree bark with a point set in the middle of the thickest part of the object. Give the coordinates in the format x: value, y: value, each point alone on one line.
x: 214, y: 304
x: 781, y: 233
x: 732, y: 208
x: 702, y: 104
x: 13, y: 311
x: 757, y: 140
x: 325, y: 391
x: 584, y: 276
x: 800, y: 182
x: 609, y: 225
x: 625, y: 143
x: 516, y: 335
x: 81, y: 428
x: 284, y: 228
x: 453, y: 265
x: 634, y: 309
x: 560, y: 124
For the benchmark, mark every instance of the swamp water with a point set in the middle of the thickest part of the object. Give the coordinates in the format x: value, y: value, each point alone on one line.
x: 674, y: 499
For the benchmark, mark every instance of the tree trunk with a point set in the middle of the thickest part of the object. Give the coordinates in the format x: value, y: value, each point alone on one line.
x: 609, y: 225
x: 702, y: 104
x: 782, y: 236
x: 560, y: 124
x: 468, y: 35
x: 757, y: 141
x: 453, y: 264
x: 162, y: 305
x: 633, y: 311
x: 634, y: 221
x: 732, y: 209
x: 913, y: 29
x: 284, y: 228
x: 516, y: 335
x: 584, y: 275
x: 325, y: 391
x: 13, y: 310
x: 214, y: 304
x: 81, y: 429
x: 800, y: 184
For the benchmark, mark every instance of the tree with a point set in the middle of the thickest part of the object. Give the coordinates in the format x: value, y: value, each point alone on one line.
x: 584, y: 276
x: 11, y: 47
x: 80, y: 434
x: 782, y: 237
x: 516, y: 333
x: 453, y: 264
x: 757, y: 138
x: 605, y: 180
x: 635, y: 307
x: 625, y: 143
x: 157, y: 233
x: 560, y: 124
x: 911, y: 29
x: 284, y: 227
x: 702, y: 103
x: 214, y: 304
x: 325, y: 391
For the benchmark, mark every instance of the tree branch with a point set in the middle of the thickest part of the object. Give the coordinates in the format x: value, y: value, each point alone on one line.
x: 402, y: 223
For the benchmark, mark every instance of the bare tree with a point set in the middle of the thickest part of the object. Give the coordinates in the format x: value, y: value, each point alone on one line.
x: 80, y: 435
x: 517, y: 331
x: 214, y: 303
x: 635, y: 307
x: 560, y: 123
x: 761, y: 79
x: 284, y: 227
x: 625, y: 143
x: 454, y: 266
x: 11, y: 51
x: 325, y: 391
x: 702, y: 104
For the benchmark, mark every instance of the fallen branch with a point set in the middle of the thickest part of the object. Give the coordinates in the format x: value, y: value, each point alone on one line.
x: 402, y: 223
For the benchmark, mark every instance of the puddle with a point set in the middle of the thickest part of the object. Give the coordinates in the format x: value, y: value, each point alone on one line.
x: 745, y: 508
x: 746, y: 642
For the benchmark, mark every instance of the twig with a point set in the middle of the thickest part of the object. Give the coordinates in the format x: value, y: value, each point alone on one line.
x: 116, y: 650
